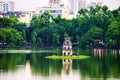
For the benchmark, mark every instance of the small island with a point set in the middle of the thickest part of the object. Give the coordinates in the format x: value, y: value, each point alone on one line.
x: 68, y: 57
x: 67, y: 52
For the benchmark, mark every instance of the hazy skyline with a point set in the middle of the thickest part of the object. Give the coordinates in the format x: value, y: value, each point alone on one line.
x: 30, y: 5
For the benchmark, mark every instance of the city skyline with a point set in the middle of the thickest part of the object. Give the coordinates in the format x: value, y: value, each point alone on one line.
x: 30, y: 5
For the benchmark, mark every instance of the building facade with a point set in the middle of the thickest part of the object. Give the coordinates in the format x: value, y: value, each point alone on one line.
x: 94, y: 3
x: 55, y: 8
x: 54, y: 3
x: 81, y: 4
x: 52, y: 10
x: 6, y: 6
x: 75, y: 6
x: 22, y: 16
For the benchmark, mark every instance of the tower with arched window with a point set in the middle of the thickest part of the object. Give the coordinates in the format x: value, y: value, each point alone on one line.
x: 67, y: 47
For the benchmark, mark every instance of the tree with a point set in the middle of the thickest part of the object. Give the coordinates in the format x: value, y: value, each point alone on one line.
x: 116, y: 12
x: 54, y: 41
x: 46, y: 18
x: 20, y: 26
x: 14, y: 21
x: 35, y: 22
x: 11, y: 36
x: 5, y: 22
x: 3, y: 34
x: 34, y: 38
x: 83, y: 12
x: 89, y: 28
x: 39, y: 42
x: 8, y: 22
x: 113, y: 34
x: 24, y: 36
x: 90, y: 37
x: 104, y: 9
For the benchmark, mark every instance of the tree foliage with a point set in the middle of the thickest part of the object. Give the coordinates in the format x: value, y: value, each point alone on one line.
x: 88, y: 29
x: 11, y: 36
x: 94, y: 26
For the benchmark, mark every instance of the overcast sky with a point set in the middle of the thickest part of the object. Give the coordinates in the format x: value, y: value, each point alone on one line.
x: 29, y: 5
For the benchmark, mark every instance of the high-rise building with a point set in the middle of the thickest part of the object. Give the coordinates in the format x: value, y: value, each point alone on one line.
x: 55, y: 9
x: 94, y: 3
x: 6, y: 6
x: 71, y: 6
x: 75, y: 6
x: 81, y: 4
x: 54, y: 3
x: 52, y: 10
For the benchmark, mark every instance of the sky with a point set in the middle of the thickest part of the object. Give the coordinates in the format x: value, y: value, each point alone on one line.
x: 30, y: 5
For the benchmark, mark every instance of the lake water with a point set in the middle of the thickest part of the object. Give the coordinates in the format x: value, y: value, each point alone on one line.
x: 32, y: 65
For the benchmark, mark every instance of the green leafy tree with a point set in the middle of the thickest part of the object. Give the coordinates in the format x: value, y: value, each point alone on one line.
x: 90, y: 37
x: 11, y: 36
x: 24, y: 36
x: 39, y: 42
x: 5, y: 22
x: 113, y: 34
x: 52, y: 31
x: 34, y: 38
x: 104, y: 9
x: 83, y: 12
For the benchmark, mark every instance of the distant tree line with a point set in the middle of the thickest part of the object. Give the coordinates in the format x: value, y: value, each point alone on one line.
x: 94, y: 27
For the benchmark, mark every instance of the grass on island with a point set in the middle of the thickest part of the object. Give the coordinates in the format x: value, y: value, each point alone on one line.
x: 68, y: 57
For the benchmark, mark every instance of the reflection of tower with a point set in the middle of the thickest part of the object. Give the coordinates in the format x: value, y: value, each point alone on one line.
x: 54, y: 3
x: 67, y: 47
x: 27, y: 73
x: 67, y: 66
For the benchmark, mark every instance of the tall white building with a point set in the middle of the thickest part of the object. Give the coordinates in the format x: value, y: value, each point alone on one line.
x: 54, y: 3
x: 6, y: 6
x: 75, y: 6
x: 55, y: 9
x: 94, y: 3
x: 72, y: 6
x: 52, y: 10
x: 81, y: 4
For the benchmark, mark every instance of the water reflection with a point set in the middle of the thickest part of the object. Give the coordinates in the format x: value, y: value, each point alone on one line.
x: 34, y: 66
x: 8, y: 62
x: 115, y: 53
x: 101, y: 53
x: 67, y: 66
x: 27, y: 72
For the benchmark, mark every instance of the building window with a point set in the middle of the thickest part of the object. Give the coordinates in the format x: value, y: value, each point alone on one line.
x: 64, y: 54
x: 5, y: 7
x: 60, y: 15
x: 68, y: 53
x: 68, y: 48
x: 67, y: 43
x: 53, y: 11
x: 40, y: 11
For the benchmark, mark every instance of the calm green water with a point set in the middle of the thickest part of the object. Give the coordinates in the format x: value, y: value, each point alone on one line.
x: 31, y: 65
